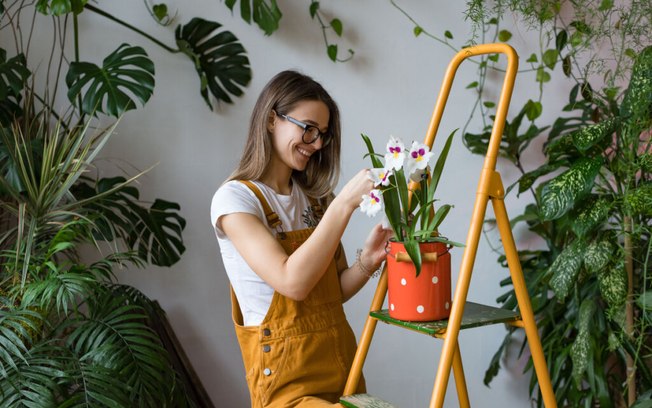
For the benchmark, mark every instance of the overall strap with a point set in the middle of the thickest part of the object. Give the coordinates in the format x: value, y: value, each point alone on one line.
x: 272, y: 218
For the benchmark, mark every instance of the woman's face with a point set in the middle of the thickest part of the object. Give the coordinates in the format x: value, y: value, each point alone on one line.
x: 288, y: 146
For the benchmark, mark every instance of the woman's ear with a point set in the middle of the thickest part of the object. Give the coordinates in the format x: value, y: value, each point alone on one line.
x: 271, y: 120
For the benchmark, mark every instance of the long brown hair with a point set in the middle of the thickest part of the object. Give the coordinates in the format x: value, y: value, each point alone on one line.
x: 281, y: 94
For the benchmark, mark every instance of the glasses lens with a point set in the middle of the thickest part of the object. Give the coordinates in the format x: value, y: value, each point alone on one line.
x: 311, y: 134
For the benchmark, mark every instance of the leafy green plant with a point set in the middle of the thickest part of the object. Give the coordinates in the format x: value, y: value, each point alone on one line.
x: 589, y: 282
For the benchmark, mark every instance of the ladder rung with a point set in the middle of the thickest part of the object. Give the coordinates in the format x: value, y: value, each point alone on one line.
x: 364, y: 401
x: 475, y: 315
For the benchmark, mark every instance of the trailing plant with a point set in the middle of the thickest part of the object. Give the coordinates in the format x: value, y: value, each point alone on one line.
x: 590, y: 281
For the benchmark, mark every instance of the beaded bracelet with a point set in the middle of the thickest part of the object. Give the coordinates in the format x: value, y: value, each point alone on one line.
x: 365, y: 271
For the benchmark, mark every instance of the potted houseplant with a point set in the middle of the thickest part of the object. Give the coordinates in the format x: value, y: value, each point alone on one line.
x: 418, y: 262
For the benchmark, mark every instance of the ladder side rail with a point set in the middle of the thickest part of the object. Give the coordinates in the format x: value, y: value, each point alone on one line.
x: 485, y: 187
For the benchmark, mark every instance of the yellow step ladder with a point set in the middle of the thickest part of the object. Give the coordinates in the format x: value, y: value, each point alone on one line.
x: 464, y: 314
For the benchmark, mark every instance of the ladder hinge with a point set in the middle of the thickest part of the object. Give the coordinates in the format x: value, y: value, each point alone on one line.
x: 491, y: 184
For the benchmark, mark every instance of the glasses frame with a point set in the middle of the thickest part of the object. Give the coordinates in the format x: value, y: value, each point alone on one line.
x: 325, y: 137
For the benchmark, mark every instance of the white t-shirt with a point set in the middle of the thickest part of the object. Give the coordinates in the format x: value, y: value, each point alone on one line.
x: 295, y: 213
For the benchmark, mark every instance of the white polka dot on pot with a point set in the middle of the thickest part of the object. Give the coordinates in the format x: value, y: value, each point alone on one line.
x: 435, y: 280
x: 403, y: 282
x: 447, y: 305
x: 420, y: 309
x: 391, y: 306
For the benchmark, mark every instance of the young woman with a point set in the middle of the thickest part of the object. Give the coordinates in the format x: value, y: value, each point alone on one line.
x: 279, y: 227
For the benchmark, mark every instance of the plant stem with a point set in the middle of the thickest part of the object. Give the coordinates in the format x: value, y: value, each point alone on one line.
x: 124, y: 24
x: 629, y: 311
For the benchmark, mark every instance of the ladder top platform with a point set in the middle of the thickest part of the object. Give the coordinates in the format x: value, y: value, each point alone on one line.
x: 475, y: 315
x: 364, y: 401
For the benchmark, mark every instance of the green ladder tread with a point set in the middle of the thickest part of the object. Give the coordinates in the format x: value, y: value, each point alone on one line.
x: 475, y: 315
x: 364, y: 401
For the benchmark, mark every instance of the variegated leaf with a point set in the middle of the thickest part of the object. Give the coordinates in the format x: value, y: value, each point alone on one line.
x: 588, y: 136
x: 613, y: 284
x: 565, y: 269
x: 581, y: 349
x: 597, y: 255
x: 559, y: 147
x: 590, y: 215
x: 560, y: 194
x: 638, y: 96
x: 639, y: 200
x: 527, y: 180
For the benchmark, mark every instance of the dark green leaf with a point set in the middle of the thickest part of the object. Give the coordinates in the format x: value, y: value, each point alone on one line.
x: 218, y: 57
x: 590, y: 215
x: 417, y: 31
x: 527, y: 180
x: 581, y: 349
x: 160, y: 11
x: 60, y: 7
x: 412, y: 248
x: 265, y: 13
x: 588, y: 136
x: 533, y: 109
x: 560, y: 194
x: 613, y: 284
x: 489, y: 104
x: 448, y: 35
x: 565, y: 268
x: 332, y: 52
x: 566, y: 66
x: 504, y: 35
x: 561, y: 39
x: 314, y: 7
x: 13, y: 74
x: 127, y: 70
x: 637, y: 101
x: 336, y: 25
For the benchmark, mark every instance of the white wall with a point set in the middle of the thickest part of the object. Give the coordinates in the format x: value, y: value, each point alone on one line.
x: 389, y: 87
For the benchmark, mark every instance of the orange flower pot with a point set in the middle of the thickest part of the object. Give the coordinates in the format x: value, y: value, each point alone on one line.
x: 421, y: 298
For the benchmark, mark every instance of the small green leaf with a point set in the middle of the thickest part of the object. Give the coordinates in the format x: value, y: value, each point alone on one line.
x: 606, y: 5
x: 631, y: 53
x: 448, y: 35
x: 587, y: 91
x: 504, y: 35
x: 542, y: 75
x: 533, y: 109
x: 493, y: 57
x: 332, y: 52
x: 533, y: 58
x: 160, y: 11
x: 336, y: 25
x: 314, y: 6
x: 473, y: 84
x: 489, y: 104
x: 644, y: 301
x: 566, y: 66
x: 576, y: 39
x: 550, y: 58
x: 561, y: 39
x: 417, y: 31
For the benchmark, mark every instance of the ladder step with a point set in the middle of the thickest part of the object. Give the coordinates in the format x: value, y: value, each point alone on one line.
x: 364, y: 401
x: 475, y: 315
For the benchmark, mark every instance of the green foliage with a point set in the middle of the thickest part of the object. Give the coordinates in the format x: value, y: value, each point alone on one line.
x: 219, y: 58
x: 265, y: 14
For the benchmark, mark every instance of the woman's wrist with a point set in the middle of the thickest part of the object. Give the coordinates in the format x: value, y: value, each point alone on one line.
x: 365, y: 266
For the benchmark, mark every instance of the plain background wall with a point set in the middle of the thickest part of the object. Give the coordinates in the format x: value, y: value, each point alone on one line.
x: 389, y: 88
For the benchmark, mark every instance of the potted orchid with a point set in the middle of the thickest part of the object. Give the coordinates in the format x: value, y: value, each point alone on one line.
x: 405, y: 189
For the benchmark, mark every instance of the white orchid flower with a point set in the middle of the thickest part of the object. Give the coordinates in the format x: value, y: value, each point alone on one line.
x: 418, y: 157
x: 380, y: 176
x: 395, y: 154
x: 418, y: 175
x: 372, y: 203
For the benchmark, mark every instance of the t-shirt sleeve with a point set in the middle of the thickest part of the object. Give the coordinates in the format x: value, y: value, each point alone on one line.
x: 233, y: 197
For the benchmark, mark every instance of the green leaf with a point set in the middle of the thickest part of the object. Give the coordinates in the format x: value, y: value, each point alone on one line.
x: 160, y: 11
x: 597, y: 255
x: 613, y: 284
x: 527, y: 180
x: 60, y: 7
x: 332, y: 52
x: 448, y: 35
x: 489, y: 104
x: 336, y: 25
x: 566, y: 66
x: 561, y: 193
x: 565, y: 269
x: 550, y: 58
x: 637, y: 101
x: 561, y: 39
x: 412, y: 248
x: 606, y: 5
x: 590, y: 215
x: 127, y: 70
x: 417, y: 30
x: 533, y: 109
x: 13, y: 74
x: 542, y: 75
x: 473, y: 84
x: 644, y: 300
x: 265, y: 13
x: 314, y: 7
x: 589, y: 136
x: 638, y: 201
x: 581, y: 352
x: 219, y: 59
x: 504, y: 35
x: 533, y: 58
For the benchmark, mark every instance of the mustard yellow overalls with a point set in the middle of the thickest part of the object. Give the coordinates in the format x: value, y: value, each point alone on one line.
x: 301, y: 353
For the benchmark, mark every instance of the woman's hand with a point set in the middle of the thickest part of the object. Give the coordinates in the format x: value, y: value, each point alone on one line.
x: 359, y: 185
x: 373, y: 252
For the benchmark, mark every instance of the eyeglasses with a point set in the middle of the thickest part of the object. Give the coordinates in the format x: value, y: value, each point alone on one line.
x: 310, y: 133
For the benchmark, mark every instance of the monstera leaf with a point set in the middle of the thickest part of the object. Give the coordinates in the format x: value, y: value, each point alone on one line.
x: 265, y: 14
x: 60, y: 7
x: 220, y: 60
x: 13, y: 75
x: 127, y: 70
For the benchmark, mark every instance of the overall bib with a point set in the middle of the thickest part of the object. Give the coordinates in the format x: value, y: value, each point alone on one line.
x: 301, y: 353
